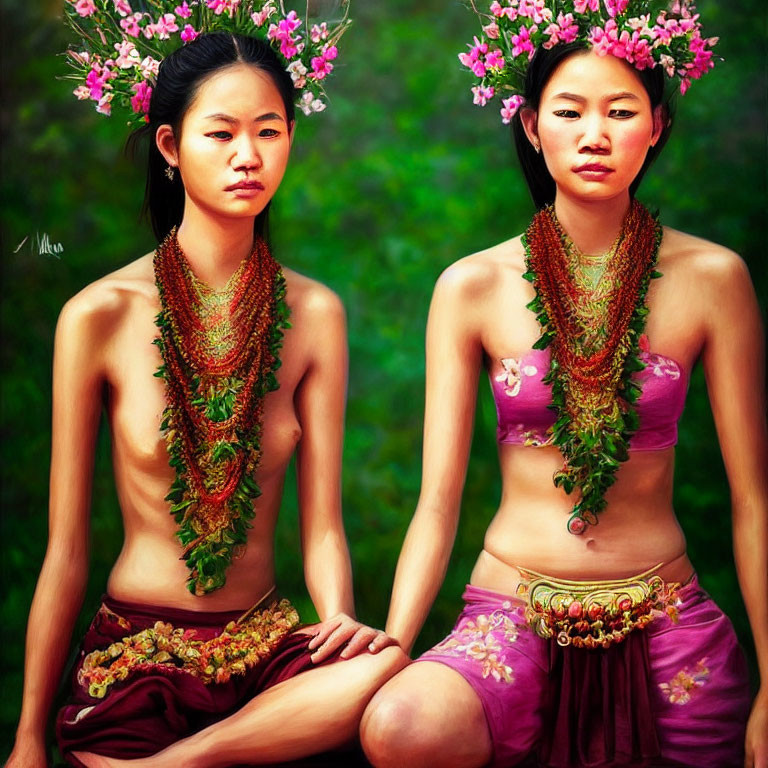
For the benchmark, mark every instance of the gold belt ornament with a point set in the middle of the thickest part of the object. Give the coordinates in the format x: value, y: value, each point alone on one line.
x: 594, y: 614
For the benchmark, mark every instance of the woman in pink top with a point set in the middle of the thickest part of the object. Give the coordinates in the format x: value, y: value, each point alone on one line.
x: 584, y: 643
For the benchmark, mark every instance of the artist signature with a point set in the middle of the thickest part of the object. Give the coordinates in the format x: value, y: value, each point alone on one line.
x: 43, y: 245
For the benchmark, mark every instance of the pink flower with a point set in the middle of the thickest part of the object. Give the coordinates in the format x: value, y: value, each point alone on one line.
x: 260, y: 18
x: 604, y: 39
x: 668, y: 63
x: 616, y: 7
x: 472, y: 59
x: 82, y: 92
x: 140, y: 100
x: 531, y: 9
x: 219, y: 6
x: 522, y: 42
x: 122, y: 7
x: 188, y: 33
x: 95, y: 81
x: 321, y: 67
x: 183, y: 10
x: 85, y: 7
x: 482, y: 95
x: 289, y: 24
x: 330, y: 52
x: 685, y: 84
x: 319, y: 32
x: 131, y: 25
x: 165, y: 25
x: 498, y: 10
x: 128, y: 56
x: 509, y: 108
x: 149, y: 67
x: 580, y: 6
x: 104, y: 106
x: 491, y: 31
x: 564, y: 31
x: 495, y: 60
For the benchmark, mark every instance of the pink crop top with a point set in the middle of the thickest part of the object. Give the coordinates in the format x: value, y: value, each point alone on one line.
x: 522, y: 400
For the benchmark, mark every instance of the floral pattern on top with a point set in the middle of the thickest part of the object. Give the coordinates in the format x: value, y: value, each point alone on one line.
x: 658, y: 365
x: 684, y: 684
x: 513, y: 373
x: 481, y: 640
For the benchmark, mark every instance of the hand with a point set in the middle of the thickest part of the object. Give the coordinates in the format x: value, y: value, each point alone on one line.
x: 331, y: 634
x: 757, y: 733
x: 28, y: 753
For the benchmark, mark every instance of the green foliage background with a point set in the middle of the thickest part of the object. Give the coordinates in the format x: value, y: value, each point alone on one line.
x: 399, y: 178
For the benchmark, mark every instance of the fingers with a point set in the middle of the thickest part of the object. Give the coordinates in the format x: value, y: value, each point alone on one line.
x: 359, y: 642
x: 333, y: 641
x: 323, y: 632
x: 382, y: 640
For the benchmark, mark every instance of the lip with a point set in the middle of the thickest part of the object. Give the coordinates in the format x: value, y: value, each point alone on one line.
x: 593, y: 171
x: 252, y: 185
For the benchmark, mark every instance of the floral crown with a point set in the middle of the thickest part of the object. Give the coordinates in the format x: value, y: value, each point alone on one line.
x: 123, y: 48
x: 646, y: 33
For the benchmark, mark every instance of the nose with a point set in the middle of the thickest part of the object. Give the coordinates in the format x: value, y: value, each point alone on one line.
x: 595, y: 139
x: 247, y: 155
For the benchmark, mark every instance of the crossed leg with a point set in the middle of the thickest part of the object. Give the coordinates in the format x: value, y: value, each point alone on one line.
x: 427, y: 715
x: 316, y: 711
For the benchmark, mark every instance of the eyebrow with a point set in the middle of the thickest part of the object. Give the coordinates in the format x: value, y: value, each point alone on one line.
x: 267, y: 116
x: 612, y: 97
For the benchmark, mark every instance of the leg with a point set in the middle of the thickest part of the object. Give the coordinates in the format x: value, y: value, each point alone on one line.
x: 315, y: 711
x: 700, y: 684
x: 425, y: 716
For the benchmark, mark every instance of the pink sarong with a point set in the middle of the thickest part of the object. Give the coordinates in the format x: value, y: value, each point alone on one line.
x: 672, y: 694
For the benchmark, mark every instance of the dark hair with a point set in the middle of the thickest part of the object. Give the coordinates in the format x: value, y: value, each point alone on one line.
x: 180, y: 76
x: 542, y: 67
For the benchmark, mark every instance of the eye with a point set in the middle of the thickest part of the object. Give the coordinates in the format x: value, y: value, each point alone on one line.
x: 567, y: 113
x: 268, y: 133
x: 622, y: 114
x: 220, y: 134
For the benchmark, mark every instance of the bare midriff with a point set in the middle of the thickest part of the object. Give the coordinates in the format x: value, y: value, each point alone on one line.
x: 637, y: 531
x: 149, y: 569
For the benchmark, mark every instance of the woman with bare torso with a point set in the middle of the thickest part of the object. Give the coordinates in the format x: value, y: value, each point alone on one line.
x: 583, y: 643
x: 193, y: 657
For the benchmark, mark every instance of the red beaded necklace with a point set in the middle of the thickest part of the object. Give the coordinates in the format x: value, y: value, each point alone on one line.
x: 593, y: 330
x: 220, y: 353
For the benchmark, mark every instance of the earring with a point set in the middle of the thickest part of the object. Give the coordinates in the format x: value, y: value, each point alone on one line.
x: 537, y: 146
x: 170, y: 172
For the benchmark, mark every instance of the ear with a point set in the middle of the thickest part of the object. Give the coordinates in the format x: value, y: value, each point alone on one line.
x: 166, y: 143
x: 660, y: 121
x: 530, y: 120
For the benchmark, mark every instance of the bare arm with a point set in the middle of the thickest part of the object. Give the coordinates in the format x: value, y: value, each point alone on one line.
x: 734, y: 363
x: 454, y: 357
x: 320, y: 400
x: 61, y: 585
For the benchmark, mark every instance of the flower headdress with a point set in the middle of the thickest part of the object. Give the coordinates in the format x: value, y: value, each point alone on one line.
x: 123, y: 47
x: 646, y: 33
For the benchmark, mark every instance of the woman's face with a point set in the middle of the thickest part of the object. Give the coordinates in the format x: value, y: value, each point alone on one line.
x: 595, y: 125
x: 234, y: 132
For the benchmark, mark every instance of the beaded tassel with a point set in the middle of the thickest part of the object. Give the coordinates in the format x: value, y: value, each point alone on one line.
x: 220, y: 353
x: 594, y: 332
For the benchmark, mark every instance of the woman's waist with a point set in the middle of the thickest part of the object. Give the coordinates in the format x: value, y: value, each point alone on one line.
x: 503, y: 568
x: 153, y: 573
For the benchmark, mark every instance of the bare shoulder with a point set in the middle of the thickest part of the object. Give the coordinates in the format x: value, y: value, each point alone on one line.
x: 97, y: 306
x: 312, y: 299
x: 475, y: 276
x: 706, y: 263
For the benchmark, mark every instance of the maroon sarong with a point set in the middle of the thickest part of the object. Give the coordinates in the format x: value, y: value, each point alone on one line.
x: 158, y: 704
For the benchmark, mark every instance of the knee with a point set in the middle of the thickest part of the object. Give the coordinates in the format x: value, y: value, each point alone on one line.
x: 395, y: 733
